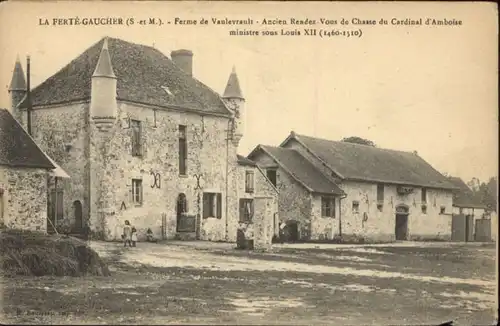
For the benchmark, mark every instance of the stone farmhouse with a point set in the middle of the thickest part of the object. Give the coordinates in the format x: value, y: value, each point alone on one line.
x: 330, y: 188
x: 143, y: 140
x: 25, y: 171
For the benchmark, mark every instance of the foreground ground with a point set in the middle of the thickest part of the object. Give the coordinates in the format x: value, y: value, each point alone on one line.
x: 198, y: 282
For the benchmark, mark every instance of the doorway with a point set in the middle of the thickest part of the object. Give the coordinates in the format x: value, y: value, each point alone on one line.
x: 78, y: 213
x: 401, y: 229
x: 292, y: 228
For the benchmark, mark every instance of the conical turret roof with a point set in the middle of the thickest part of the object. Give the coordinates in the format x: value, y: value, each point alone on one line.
x: 104, y: 67
x: 233, y: 89
x: 18, y: 82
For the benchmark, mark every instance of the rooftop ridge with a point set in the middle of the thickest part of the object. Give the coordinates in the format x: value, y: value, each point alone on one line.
x: 356, y: 145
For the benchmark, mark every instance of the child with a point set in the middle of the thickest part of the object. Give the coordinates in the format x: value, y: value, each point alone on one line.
x: 150, y: 237
x: 134, y: 236
x: 127, y: 234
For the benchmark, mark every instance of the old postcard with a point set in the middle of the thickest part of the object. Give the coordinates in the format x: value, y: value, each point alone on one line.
x: 248, y: 163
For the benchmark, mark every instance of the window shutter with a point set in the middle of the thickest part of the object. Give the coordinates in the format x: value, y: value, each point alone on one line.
x: 323, y: 210
x: 242, y: 210
x: 205, y: 205
x: 60, y: 208
x: 250, y: 204
x: 219, y: 205
x: 144, y: 142
x: 140, y: 192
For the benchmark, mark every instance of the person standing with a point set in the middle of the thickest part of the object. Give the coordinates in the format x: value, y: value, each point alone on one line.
x: 127, y: 234
x: 134, y: 236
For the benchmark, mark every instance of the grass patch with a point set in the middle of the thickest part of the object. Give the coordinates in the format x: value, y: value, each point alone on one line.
x: 38, y: 254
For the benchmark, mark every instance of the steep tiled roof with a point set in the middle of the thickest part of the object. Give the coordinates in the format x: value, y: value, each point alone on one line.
x: 143, y: 73
x: 242, y: 160
x: 464, y: 197
x: 17, y: 148
x: 367, y: 163
x: 302, y: 170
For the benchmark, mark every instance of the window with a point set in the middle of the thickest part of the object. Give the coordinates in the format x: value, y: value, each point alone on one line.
x: 246, y: 210
x: 272, y: 176
x: 136, y: 137
x: 137, y: 191
x: 380, y: 193
x: 424, y: 209
x: 355, y: 206
x: 443, y: 210
x: 212, y: 205
x: 328, y: 206
x: 249, y: 182
x: 181, y: 204
x: 424, y: 195
x: 182, y: 150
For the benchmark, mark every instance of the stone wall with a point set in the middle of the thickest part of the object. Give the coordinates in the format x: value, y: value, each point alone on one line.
x: 376, y: 225
x: 380, y: 225
x: 322, y: 227
x: 295, y: 202
x: 263, y: 226
x: 24, y: 198
x: 262, y: 188
x: 114, y: 166
x: 62, y: 132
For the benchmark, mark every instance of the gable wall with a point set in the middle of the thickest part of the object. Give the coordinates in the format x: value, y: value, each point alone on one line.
x: 53, y: 129
x: 295, y: 202
x: 24, y: 198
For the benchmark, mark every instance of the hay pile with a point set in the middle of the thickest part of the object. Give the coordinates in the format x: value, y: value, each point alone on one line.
x: 37, y: 254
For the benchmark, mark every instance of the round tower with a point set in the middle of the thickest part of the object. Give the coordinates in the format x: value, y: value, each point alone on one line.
x: 235, y: 101
x: 103, y: 105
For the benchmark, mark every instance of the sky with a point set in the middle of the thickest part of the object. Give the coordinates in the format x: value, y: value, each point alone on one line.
x: 430, y: 89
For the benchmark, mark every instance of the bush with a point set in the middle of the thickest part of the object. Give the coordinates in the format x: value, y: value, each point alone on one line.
x: 38, y: 254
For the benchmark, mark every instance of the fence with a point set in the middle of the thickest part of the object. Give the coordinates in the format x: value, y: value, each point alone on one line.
x: 483, y: 230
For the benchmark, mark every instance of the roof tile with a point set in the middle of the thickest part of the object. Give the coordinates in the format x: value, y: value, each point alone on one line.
x: 141, y: 72
x: 303, y: 170
x: 363, y: 162
x: 17, y: 148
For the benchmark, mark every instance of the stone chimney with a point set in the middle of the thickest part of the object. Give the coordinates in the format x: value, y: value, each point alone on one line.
x: 184, y: 60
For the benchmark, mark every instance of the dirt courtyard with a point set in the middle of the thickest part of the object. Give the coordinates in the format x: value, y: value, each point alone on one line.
x: 202, y: 282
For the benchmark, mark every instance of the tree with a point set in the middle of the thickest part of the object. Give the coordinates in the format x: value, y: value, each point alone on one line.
x: 474, y: 184
x: 490, y: 194
x: 358, y: 140
x: 485, y: 193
